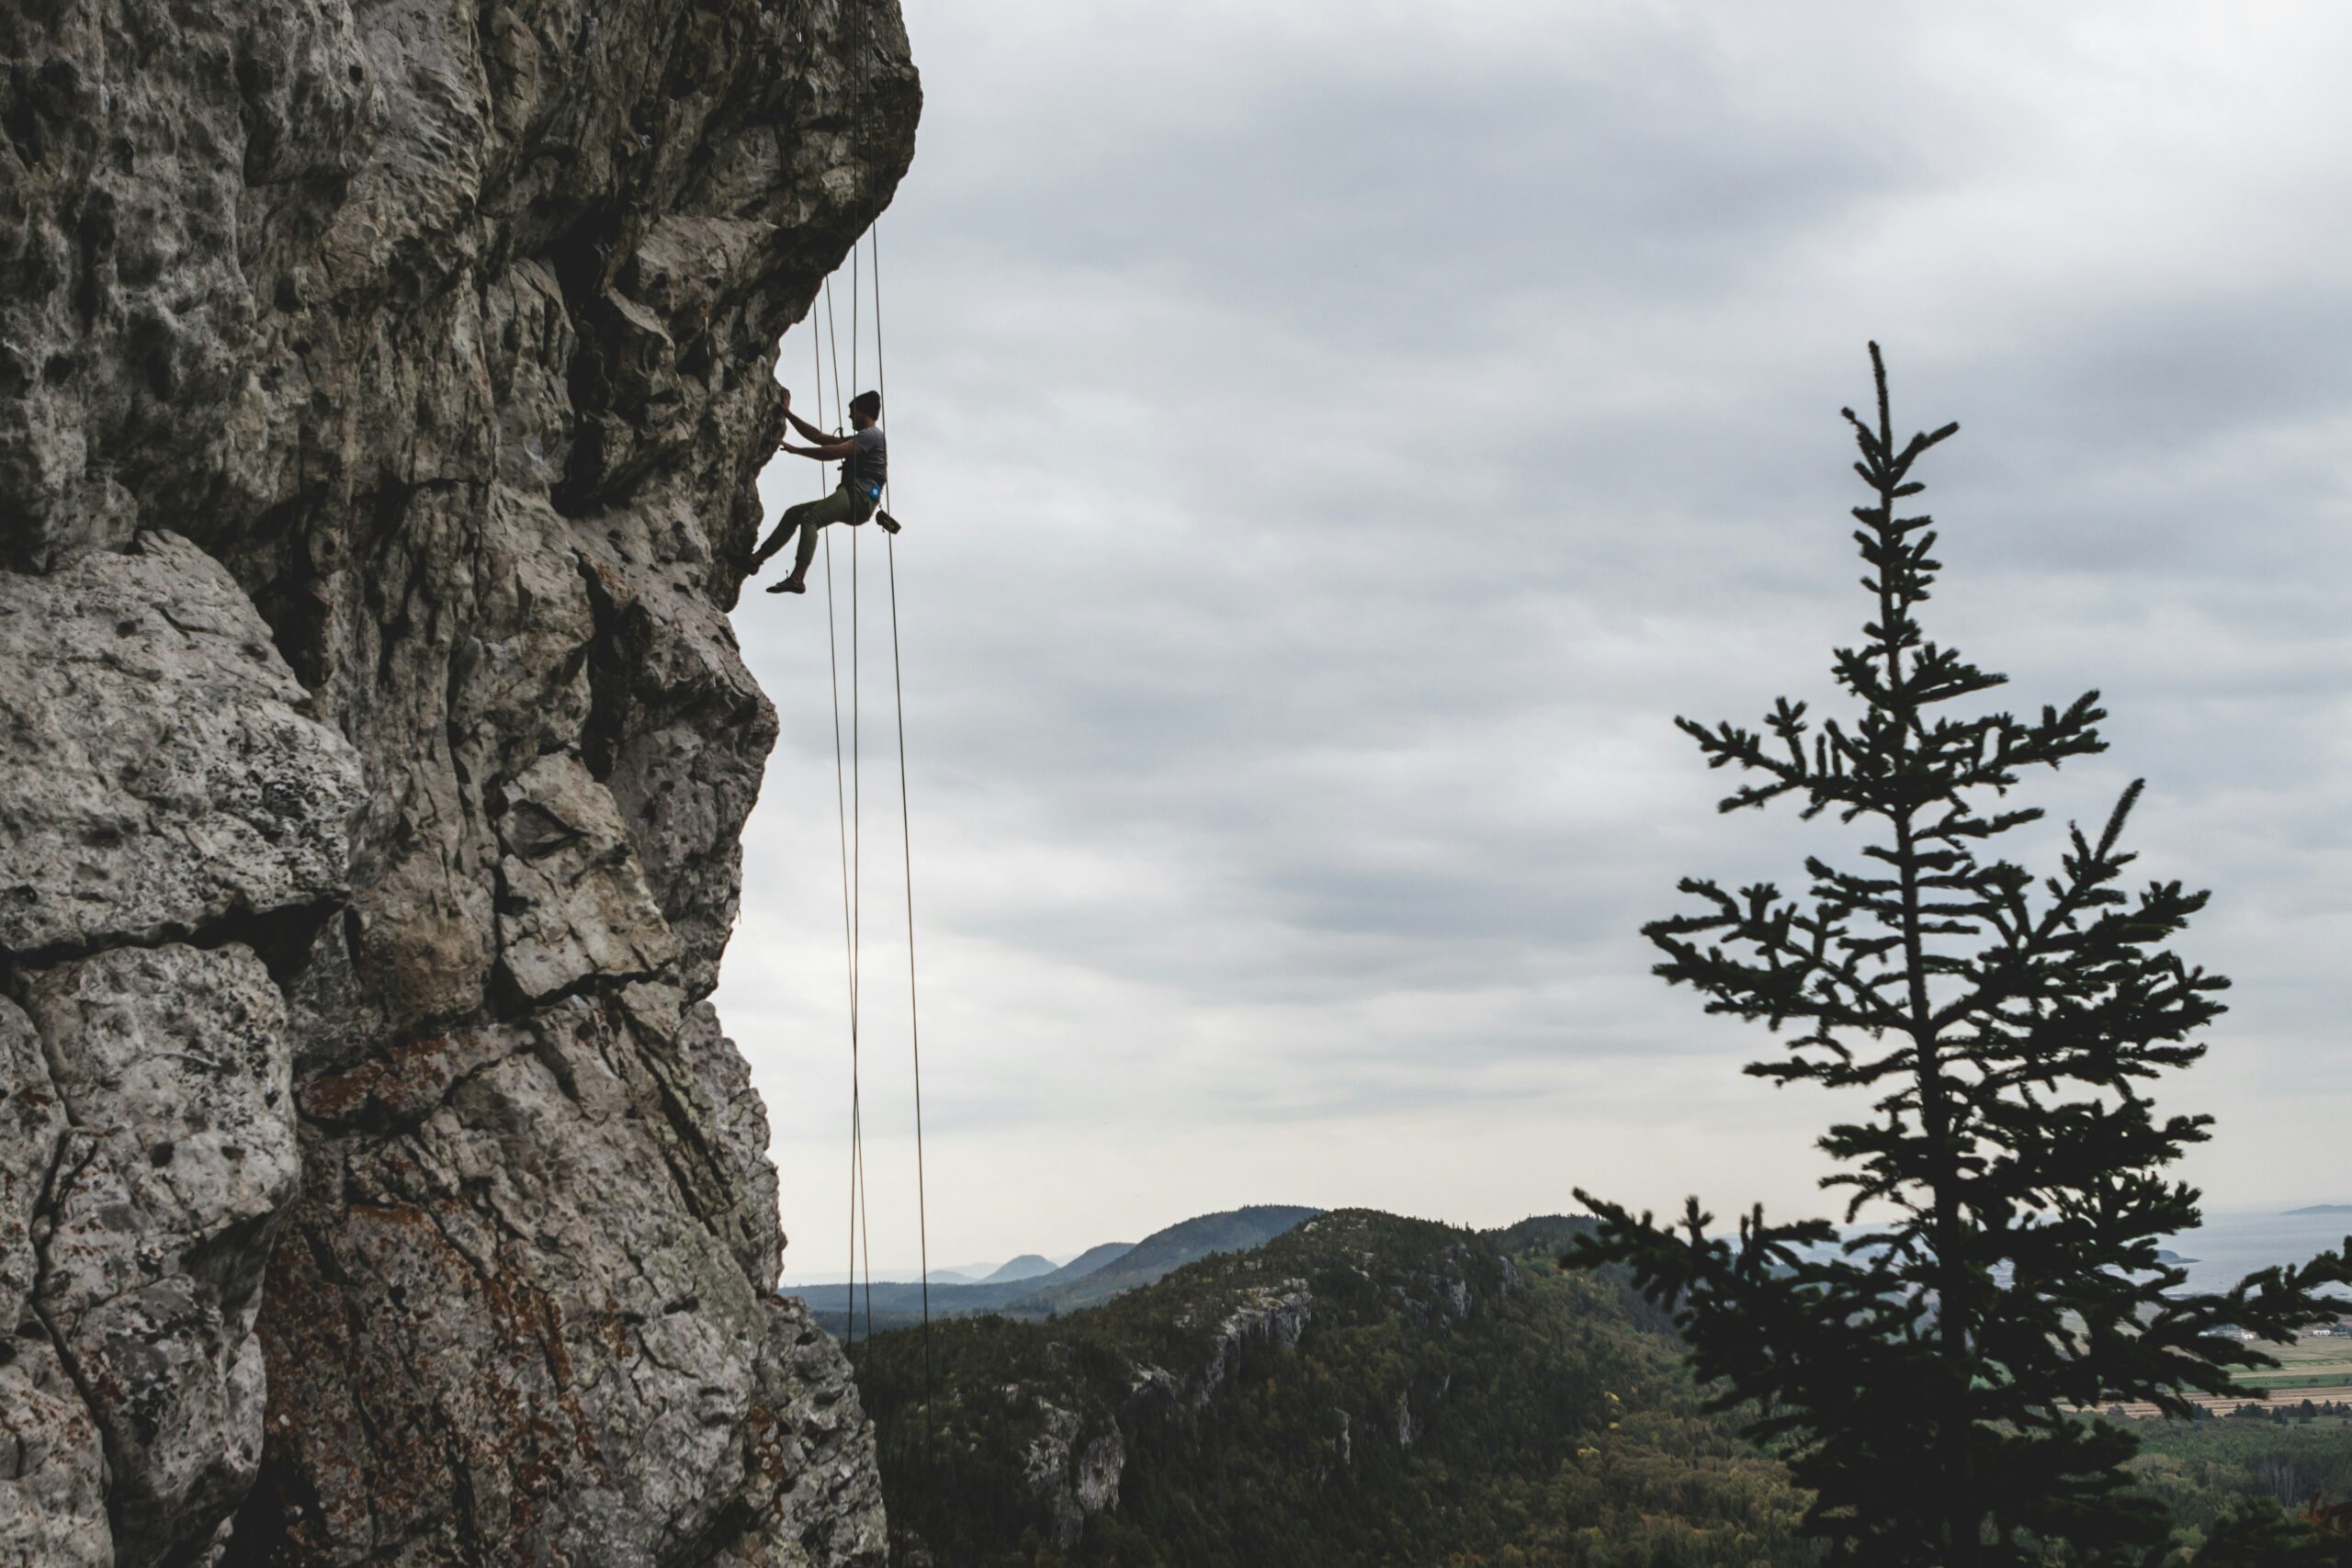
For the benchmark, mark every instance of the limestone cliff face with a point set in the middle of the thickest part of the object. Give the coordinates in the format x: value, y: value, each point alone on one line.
x: 382, y: 384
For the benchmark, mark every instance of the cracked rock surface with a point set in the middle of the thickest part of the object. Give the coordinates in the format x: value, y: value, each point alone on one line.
x: 159, y: 774
x: 382, y: 386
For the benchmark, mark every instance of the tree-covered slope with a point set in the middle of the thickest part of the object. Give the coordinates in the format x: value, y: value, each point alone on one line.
x: 1362, y: 1389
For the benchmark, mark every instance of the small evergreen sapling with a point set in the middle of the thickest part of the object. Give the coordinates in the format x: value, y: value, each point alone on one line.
x: 1923, y: 1373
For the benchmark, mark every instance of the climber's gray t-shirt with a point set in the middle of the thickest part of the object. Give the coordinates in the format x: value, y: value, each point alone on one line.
x: 870, y: 468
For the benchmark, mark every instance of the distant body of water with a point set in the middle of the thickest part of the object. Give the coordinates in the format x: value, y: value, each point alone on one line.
x: 2232, y: 1244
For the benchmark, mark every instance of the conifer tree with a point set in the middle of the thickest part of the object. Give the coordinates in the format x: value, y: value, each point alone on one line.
x: 2006, y: 1188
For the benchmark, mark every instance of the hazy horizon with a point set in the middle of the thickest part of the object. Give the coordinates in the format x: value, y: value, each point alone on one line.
x: 1329, y: 464
x: 905, y: 1272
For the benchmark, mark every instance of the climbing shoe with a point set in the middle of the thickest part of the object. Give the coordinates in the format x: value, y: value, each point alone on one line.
x: 787, y: 586
x: 890, y: 523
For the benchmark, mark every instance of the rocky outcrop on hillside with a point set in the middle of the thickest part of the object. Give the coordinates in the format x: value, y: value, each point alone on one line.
x: 1073, y: 1472
x: 1276, y: 1314
x: 382, y: 386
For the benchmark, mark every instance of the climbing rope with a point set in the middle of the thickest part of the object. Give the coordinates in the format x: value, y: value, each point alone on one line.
x: 906, y: 815
x: 850, y: 887
x: 858, y: 1206
x: 906, y: 856
x: 849, y: 784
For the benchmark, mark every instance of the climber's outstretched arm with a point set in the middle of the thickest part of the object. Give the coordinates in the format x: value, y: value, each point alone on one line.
x: 802, y: 425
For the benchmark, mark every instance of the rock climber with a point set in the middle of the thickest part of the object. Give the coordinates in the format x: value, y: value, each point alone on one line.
x: 864, y: 458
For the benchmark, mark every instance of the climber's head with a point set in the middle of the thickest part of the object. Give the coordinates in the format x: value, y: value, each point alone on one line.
x: 866, y: 408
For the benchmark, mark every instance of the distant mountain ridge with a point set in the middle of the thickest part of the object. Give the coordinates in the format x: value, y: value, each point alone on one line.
x: 1153, y: 1258
x: 1092, y: 1276
x: 1028, y: 1266
x: 1086, y: 1263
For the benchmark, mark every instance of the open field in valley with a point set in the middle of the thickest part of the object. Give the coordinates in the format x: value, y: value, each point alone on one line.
x: 2316, y: 1367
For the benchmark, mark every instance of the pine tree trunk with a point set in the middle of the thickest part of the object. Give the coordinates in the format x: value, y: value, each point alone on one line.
x: 1961, y: 1529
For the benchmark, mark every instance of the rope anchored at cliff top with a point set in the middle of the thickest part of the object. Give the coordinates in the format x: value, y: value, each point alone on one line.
x: 873, y: 247
x: 861, y: 496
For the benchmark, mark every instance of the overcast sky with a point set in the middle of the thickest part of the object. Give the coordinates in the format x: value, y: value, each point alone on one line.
x: 1336, y: 439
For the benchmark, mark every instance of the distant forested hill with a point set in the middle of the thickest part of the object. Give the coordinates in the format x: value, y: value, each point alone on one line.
x: 1359, y: 1390
x: 1235, y: 1230
x: 1094, y: 1276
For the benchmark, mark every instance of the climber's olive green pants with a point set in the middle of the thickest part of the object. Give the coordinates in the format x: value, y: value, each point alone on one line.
x: 842, y: 506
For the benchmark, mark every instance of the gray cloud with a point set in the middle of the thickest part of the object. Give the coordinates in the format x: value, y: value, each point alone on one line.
x: 1335, y: 447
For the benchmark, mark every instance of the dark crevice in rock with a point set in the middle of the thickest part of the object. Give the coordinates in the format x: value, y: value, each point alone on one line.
x: 282, y: 939
x: 94, y: 234
x: 281, y: 1494
x: 80, y: 1150
x: 20, y: 123
x: 509, y: 1003
x: 77, y: 1147
x: 618, y: 648
x: 582, y: 262
x: 290, y: 598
